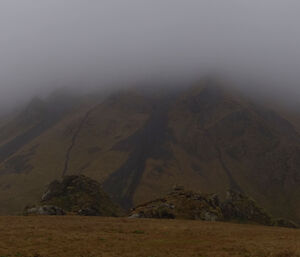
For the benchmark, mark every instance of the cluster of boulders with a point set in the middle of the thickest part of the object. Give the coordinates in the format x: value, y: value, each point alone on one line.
x: 182, y: 204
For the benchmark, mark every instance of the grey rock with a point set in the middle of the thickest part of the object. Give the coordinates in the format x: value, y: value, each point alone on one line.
x: 208, y: 216
x: 44, y: 210
x: 88, y: 212
x: 135, y: 216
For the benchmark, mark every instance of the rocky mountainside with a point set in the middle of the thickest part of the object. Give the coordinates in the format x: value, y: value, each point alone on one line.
x: 182, y: 204
x: 139, y: 143
x: 77, y: 195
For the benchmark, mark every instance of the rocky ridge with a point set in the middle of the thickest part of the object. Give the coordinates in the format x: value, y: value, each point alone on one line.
x: 183, y: 204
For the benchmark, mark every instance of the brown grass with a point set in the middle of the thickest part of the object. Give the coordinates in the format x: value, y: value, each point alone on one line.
x: 73, y: 236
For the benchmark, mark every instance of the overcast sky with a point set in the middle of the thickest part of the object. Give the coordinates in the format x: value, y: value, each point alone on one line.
x: 49, y: 43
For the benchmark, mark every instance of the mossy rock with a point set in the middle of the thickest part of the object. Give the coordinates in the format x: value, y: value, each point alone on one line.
x: 181, y: 204
x: 81, y: 195
x: 241, y: 208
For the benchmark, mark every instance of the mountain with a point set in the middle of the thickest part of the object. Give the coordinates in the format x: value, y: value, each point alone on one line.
x: 139, y: 143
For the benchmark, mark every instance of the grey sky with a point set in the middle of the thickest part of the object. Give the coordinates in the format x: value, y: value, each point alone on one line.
x: 49, y: 43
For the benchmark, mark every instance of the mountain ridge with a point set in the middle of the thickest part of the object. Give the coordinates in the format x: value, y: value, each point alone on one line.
x: 139, y: 143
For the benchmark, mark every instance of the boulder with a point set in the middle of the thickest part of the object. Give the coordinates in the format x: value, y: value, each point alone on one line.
x: 44, y: 210
x: 285, y: 223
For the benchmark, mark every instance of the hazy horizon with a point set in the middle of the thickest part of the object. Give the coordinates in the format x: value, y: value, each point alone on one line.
x: 49, y: 44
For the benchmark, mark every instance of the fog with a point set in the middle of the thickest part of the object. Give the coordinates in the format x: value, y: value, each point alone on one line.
x: 52, y: 43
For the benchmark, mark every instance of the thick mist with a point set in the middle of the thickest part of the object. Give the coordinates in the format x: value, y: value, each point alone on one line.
x: 52, y: 43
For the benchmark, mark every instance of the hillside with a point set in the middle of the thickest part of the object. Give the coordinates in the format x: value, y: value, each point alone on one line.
x: 71, y: 236
x: 140, y: 143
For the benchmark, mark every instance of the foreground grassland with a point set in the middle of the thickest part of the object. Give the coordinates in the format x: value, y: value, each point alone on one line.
x: 73, y: 236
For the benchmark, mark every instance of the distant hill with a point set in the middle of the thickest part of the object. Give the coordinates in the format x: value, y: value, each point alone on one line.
x: 139, y: 143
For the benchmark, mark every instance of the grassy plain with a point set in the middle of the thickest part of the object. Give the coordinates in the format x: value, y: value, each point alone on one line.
x: 73, y: 236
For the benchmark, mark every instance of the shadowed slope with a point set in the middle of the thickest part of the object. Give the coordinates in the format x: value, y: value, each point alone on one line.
x: 147, y: 142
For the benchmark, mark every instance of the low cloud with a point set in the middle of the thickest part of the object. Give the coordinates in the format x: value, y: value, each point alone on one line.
x: 52, y: 43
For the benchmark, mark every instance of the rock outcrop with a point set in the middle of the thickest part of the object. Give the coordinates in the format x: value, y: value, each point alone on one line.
x: 77, y: 195
x: 285, y: 223
x: 182, y: 204
x: 241, y: 208
x: 44, y: 210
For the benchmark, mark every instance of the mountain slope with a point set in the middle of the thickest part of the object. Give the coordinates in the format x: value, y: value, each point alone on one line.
x: 138, y: 144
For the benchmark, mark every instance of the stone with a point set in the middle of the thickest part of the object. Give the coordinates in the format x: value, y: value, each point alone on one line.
x: 44, y: 210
